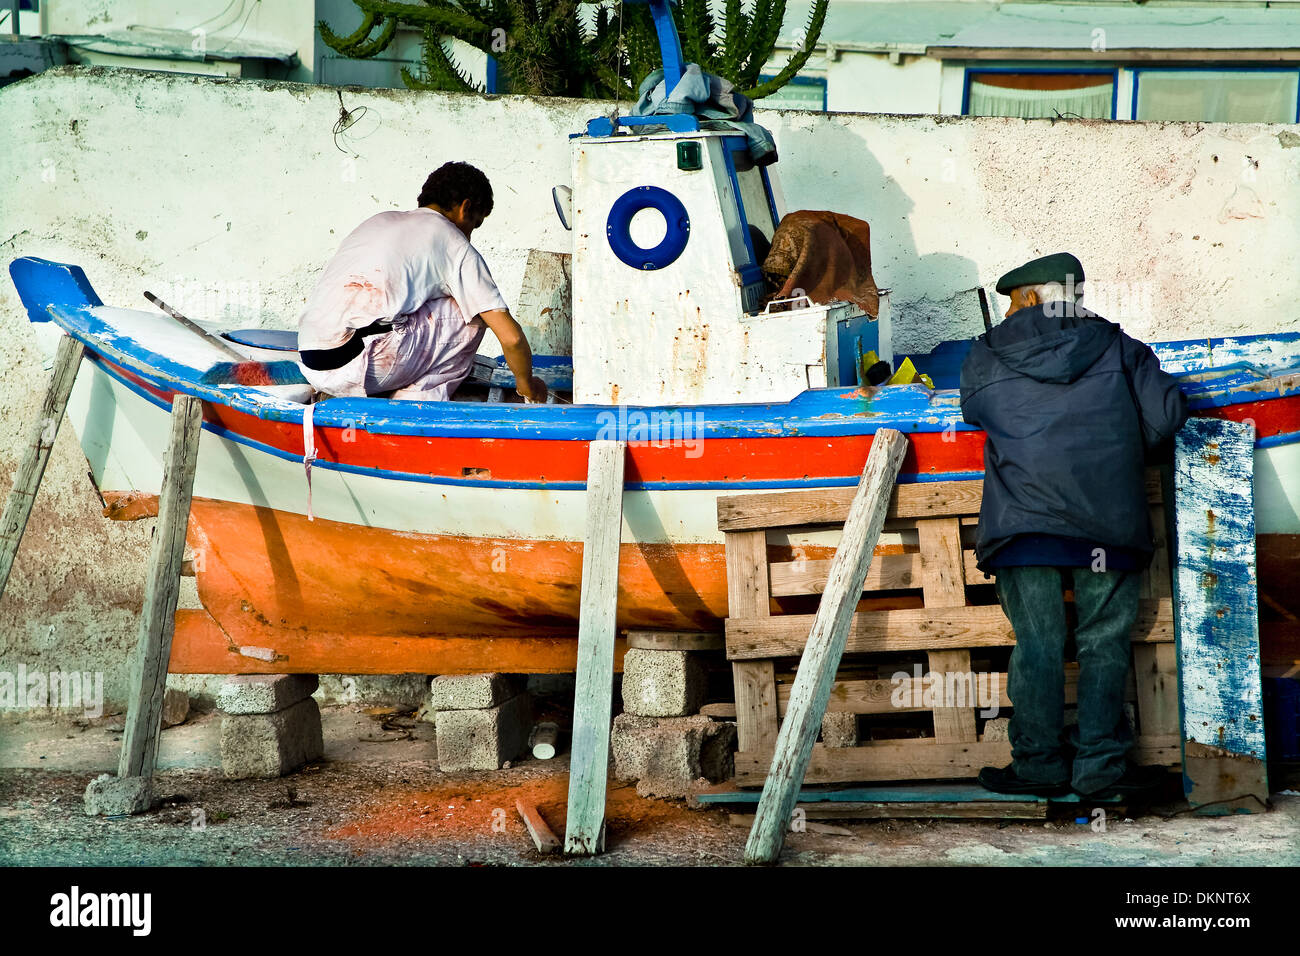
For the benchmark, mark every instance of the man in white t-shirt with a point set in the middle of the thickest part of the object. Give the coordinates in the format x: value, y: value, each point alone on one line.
x: 402, y: 307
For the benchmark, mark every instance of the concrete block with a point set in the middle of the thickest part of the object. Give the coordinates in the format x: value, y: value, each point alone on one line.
x: 175, y: 708
x: 996, y: 729
x: 403, y: 691
x: 668, y: 755
x: 662, y: 683
x: 472, y: 691
x: 110, y: 797
x: 485, y: 738
x: 839, y: 729
x: 264, y: 693
x: 271, y: 745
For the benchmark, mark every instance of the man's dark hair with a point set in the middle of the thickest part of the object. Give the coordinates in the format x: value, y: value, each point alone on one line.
x: 452, y: 183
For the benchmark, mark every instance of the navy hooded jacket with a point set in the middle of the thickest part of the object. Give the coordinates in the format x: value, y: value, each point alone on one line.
x: 1071, y: 406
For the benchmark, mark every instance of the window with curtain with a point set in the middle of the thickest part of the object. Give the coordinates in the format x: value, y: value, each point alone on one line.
x: 1218, y: 96
x: 1040, y: 95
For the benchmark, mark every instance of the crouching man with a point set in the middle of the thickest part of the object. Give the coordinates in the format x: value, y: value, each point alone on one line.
x: 1073, y: 408
x: 402, y: 307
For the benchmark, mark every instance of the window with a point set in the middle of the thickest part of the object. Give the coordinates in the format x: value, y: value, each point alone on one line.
x: 801, y: 93
x: 1216, y: 96
x: 1041, y: 94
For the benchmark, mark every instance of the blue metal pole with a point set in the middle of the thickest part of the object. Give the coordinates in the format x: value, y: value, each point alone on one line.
x: 670, y: 45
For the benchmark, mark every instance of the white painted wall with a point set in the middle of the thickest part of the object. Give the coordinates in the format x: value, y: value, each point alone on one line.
x: 230, y: 196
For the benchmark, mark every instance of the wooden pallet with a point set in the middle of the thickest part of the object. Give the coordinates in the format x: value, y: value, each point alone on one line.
x: 956, y: 618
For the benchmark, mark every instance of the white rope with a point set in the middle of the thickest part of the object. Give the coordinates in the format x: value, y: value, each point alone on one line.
x: 308, y: 451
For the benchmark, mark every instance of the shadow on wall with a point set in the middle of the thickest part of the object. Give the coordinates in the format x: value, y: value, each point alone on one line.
x: 932, y: 295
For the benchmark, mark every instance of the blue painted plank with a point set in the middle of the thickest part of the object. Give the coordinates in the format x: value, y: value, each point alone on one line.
x: 918, y: 793
x: 1216, y: 617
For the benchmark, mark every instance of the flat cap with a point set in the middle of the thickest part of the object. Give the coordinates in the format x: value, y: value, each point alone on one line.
x: 1054, y: 268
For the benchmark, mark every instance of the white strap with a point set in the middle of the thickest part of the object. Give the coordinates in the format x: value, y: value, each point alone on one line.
x: 308, y: 451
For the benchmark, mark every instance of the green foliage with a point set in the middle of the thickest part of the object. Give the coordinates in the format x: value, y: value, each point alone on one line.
x: 556, y: 48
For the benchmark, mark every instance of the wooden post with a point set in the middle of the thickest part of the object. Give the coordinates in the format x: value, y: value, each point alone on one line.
x: 18, y: 508
x: 597, y: 629
x: 825, y: 647
x: 943, y: 580
x: 1216, y: 618
x: 154, y: 643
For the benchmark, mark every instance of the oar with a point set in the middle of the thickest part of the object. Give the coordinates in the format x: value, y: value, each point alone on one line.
x: 196, y: 328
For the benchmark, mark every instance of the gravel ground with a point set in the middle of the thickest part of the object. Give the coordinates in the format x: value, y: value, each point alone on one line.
x: 378, y: 799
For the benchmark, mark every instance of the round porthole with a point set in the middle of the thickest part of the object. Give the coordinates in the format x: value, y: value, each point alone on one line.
x: 619, y: 227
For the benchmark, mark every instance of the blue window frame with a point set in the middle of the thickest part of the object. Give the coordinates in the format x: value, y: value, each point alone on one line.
x: 1214, y: 68
x: 973, y: 73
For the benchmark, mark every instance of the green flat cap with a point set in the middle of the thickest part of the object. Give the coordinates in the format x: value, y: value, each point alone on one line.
x: 1054, y: 268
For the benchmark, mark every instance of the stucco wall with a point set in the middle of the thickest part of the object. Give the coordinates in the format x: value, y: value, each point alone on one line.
x: 227, y: 197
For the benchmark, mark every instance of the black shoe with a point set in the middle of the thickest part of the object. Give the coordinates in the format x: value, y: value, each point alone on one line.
x: 1006, y: 780
x: 1137, y: 782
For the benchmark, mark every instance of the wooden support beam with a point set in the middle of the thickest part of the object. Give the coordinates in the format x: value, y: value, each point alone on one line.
x: 825, y: 647
x: 593, y: 698
x: 748, y: 597
x: 162, y: 588
x: 18, y: 507
x: 1215, y: 605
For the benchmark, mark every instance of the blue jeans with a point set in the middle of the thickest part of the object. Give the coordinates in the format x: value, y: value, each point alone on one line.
x: 1107, y: 605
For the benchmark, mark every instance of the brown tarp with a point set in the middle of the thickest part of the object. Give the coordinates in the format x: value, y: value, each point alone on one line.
x: 827, y: 255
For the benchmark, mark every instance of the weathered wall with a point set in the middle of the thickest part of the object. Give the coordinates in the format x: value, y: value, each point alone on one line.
x: 227, y: 197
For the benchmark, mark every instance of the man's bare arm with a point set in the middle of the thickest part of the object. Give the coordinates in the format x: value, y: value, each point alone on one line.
x: 518, y: 355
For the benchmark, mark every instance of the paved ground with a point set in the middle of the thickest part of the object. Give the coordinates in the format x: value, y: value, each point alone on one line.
x: 378, y: 798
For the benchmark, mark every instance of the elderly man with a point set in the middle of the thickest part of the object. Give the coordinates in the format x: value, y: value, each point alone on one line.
x: 1073, y: 408
x: 402, y: 307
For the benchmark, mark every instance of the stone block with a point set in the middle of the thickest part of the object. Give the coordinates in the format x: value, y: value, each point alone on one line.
x: 839, y: 729
x: 175, y: 708
x: 666, y: 756
x: 996, y: 729
x: 110, y: 796
x: 403, y: 691
x: 264, y: 693
x: 662, y: 683
x: 484, y: 738
x: 472, y: 691
x: 271, y: 745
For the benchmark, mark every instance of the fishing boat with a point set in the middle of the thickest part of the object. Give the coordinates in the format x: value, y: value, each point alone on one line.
x: 375, y: 536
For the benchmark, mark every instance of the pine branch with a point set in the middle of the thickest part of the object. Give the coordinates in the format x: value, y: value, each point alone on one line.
x: 365, y: 51
x: 346, y: 44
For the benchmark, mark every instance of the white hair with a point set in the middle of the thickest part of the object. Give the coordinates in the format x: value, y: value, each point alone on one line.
x: 1054, y: 296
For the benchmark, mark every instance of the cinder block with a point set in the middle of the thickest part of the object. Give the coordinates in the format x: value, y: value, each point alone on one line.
x: 271, y: 745
x: 662, y: 683
x: 264, y: 693
x: 668, y: 755
x: 485, y: 738
x: 405, y: 691
x: 839, y: 729
x: 472, y: 691
x: 110, y: 796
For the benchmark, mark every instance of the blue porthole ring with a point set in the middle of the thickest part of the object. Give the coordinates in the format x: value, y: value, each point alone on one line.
x: 618, y: 227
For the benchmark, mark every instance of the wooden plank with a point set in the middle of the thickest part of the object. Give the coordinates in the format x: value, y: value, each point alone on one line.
x: 31, y: 467
x: 1218, y: 625
x: 162, y: 589
x: 972, y: 810
x: 754, y: 682
x: 788, y: 509
x: 545, y: 840
x: 676, y: 640
x: 943, y: 582
x: 973, y: 574
x: 925, y: 499
x: 1155, y: 669
x: 894, y: 696
x: 888, y: 572
x: 920, y: 760
x: 825, y: 646
x: 201, y: 646
x: 913, y: 629
x: 597, y: 630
